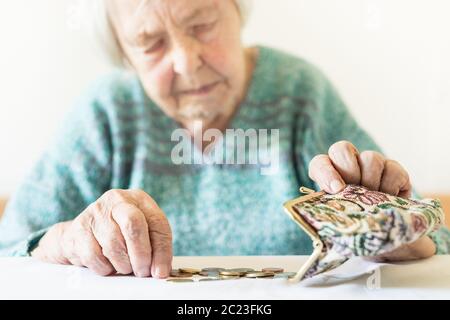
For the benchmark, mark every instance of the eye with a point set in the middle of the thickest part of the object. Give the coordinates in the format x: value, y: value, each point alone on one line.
x: 204, y: 28
x: 154, y: 47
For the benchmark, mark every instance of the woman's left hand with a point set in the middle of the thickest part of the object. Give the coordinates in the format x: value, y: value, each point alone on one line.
x: 344, y: 164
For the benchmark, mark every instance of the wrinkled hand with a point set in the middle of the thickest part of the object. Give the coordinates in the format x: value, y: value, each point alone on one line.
x: 344, y: 164
x: 124, y: 231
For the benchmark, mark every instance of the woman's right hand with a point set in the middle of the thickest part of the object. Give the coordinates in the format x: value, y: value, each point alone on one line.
x: 123, y: 231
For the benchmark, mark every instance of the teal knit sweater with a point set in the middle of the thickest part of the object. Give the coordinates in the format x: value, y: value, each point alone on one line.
x: 117, y: 138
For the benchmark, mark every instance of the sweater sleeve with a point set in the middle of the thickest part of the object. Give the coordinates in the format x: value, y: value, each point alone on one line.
x: 331, y: 121
x: 72, y: 173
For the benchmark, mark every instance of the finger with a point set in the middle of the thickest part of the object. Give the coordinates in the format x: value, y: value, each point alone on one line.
x: 90, y: 255
x: 134, y: 229
x: 406, y: 191
x: 322, y: 171
x: 422, y: 248
x: 395, y: 180
x: 372, y: 165
x: 39, y: 253
x: 69, y: 243
x: 47, y: 250
x: 344, y: 157
x: 113, y: 245
x: 75, y: 261
x: 70, y: 253
x: 160, y: 235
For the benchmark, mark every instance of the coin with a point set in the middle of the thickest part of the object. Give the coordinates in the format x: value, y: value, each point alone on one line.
x: 285, y: 275
x: 217, y: 273
x: 231, y: 273
x: 223, y: 277
x: 179, y: 280
x: 190, y: 270
x: 209, y: 279
x: 213, y: 269
x: 242, y: 270
x: 209, y: 273
x: 178, y: 274
x: 267, y: 275
x: 273, y: 270
x: 259, y: 275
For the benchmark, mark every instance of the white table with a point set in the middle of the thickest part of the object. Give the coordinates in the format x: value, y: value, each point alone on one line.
x: 26, y: 278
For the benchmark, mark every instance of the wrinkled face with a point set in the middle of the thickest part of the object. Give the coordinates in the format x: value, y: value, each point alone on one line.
x: 187, y: 54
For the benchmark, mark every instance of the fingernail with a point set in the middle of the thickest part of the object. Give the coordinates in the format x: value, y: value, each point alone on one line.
x: 142, y: 273
x: 161, y: 272
x: 336, y: 186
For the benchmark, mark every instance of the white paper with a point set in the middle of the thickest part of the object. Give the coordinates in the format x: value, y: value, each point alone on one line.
x: 351, y: 269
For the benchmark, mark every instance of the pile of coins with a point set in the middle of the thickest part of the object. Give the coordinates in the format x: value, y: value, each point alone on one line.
x: 214, y: 274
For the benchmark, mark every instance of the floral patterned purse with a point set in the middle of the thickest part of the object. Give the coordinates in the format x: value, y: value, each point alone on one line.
x: 358, y: 222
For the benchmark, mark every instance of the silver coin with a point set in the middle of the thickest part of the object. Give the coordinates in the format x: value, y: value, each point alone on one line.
x: 209, y: 273
x: 212, y: 269
x: 285, y: 275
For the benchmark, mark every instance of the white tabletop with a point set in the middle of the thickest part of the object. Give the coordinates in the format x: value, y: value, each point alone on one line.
x: 26, y: 278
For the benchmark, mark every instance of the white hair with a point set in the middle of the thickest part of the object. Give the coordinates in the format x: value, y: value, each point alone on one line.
x: 98, y: 24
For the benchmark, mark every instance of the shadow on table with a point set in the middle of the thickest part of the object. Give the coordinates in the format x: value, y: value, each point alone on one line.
x: 419, y: 274
x: 416, y: 274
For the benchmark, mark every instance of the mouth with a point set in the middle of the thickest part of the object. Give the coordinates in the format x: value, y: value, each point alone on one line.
x: 196, y: 114
x: 203, y: 90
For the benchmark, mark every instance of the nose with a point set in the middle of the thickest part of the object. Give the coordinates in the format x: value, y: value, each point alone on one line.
x: 186, y: 57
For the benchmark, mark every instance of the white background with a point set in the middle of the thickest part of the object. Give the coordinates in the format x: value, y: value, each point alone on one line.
x: 389, y: 59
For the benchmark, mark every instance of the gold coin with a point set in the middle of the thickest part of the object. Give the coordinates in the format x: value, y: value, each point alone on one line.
x: 242, y: 270
x: 190, y: 270
x: 259, y: 274
x: 273, y: 270
x: 179, y: 280
x: 223, y: 277
x: 178, y: 274
x: 267, y: 275
x: 231, y: 273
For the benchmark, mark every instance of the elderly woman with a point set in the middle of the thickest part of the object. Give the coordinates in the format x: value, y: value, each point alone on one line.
x: 108, y: 194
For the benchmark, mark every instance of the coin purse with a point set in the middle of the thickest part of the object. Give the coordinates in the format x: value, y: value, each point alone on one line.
x: 358, y: 222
